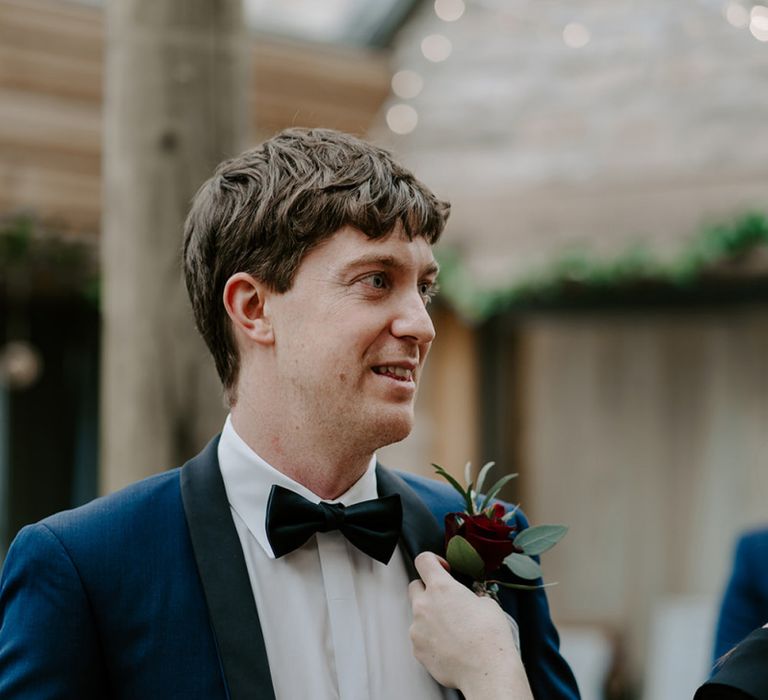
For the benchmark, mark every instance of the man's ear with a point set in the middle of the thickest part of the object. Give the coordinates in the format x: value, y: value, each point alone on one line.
x: 245, y: 299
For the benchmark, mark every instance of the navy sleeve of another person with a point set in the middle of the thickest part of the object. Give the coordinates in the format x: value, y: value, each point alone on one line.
x: 745, y: 602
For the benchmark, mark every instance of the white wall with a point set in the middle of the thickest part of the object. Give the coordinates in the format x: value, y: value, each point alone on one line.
x: 648, y: 435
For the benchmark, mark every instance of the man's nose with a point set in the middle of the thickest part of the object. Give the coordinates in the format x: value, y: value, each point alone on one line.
x: 413, y: 320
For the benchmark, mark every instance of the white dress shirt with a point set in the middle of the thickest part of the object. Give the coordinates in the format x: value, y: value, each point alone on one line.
x: 335, y: 621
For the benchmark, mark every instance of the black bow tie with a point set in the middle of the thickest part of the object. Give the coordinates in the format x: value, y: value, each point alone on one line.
x: 372, y: 526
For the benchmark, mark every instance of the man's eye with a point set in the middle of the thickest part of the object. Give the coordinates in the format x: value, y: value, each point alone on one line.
x: 376, y: 280
x: 428, y: 290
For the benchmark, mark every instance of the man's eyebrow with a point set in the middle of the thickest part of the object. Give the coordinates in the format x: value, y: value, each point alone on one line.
x: 387, y: 261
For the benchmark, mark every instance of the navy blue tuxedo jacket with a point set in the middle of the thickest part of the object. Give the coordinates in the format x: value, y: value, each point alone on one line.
x: 145, y: 594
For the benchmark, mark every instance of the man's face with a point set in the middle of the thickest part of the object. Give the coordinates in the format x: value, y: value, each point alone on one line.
x: 352, y: 335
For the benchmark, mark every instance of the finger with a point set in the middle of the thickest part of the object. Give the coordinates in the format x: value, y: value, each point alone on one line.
x: 414, y: 588
x: 431, y: 568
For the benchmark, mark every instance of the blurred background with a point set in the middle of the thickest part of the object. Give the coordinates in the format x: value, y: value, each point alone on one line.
x: 603, y: 322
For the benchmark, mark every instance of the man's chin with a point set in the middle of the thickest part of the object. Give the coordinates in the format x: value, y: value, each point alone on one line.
x: 394, y: 427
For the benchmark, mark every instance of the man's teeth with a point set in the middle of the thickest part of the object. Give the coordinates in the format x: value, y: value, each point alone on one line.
x: 400, y: 372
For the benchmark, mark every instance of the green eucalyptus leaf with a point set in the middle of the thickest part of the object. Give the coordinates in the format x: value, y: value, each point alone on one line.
x: 463, y: 557
x: 523, y: 587
x: 500, y: 484
x: 523, y: 566
x: 539, y: 538
x: 473, y: 498
x: 481, y: 476
x: 450, y: 479
x: 456, y: 485
x: 468, y: 474
x: 510, y: 513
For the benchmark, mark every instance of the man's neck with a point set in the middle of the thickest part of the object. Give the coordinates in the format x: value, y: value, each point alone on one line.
x: 326, y: 469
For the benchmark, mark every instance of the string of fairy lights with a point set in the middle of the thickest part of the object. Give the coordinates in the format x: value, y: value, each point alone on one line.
x: 752, y: 17
x: 402, y: 117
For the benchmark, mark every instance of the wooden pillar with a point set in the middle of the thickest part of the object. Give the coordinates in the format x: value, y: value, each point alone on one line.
x: 175, y: 105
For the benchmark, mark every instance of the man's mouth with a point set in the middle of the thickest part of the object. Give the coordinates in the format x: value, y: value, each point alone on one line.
x: 401, y: 374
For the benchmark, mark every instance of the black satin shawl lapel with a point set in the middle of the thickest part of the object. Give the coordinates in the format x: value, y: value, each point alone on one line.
x: 421, y: 531
x: 224, y: 575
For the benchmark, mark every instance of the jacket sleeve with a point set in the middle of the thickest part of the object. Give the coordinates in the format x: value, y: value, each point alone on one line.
x: 48, y: 640
x: 745, y: 605
x: 549, y: 674
x: 743, y: 674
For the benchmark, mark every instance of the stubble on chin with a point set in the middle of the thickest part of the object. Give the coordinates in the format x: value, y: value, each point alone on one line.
x: 389, y: 430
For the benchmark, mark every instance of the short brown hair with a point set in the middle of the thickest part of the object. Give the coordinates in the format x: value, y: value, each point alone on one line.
x: 264, y: 210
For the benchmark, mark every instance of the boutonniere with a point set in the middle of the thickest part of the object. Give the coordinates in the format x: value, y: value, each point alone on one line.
x: 479, y: 541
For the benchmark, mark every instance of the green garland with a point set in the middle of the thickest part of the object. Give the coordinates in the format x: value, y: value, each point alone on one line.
x: 36, y: 257
x: 716, y: 244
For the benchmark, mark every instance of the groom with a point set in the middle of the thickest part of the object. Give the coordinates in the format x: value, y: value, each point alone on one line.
x: 275, y: 564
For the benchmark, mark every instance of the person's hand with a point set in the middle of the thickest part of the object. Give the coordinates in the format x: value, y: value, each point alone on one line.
x: 462, y: 639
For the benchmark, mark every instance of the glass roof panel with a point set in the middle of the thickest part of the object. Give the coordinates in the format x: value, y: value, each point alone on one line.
x: 356, y: 22
x: 360, y: 22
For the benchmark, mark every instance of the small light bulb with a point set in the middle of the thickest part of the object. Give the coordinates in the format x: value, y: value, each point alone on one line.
x: 576, y: 35
x: 436, y: 47
x: 402, y: 119
x: 736, y: 15
x: 407, y: 84
x: 449, y: 10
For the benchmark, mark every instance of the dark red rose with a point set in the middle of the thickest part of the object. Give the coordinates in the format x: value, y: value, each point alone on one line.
x: 489, y: 536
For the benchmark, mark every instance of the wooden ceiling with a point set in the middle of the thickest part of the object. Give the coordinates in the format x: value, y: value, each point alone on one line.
x: 51, y: 73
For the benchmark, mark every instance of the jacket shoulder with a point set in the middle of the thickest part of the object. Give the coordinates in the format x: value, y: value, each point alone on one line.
x: 753, y: 542
x: 138, y: 512
x: 433, y: 492
x: 143, y: 493
x: 87, y: 592
x: 441, y: 498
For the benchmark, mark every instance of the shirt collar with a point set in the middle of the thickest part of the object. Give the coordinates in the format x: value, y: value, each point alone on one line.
x: 248, y: 480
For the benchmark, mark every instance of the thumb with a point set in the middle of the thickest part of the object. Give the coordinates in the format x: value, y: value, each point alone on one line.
x: 432, y: 569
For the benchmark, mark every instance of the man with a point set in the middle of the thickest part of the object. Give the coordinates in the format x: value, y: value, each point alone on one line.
x: 744, y: 607
x: 741, y: 644
x: 742, y: 674
x: 268, y: 566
